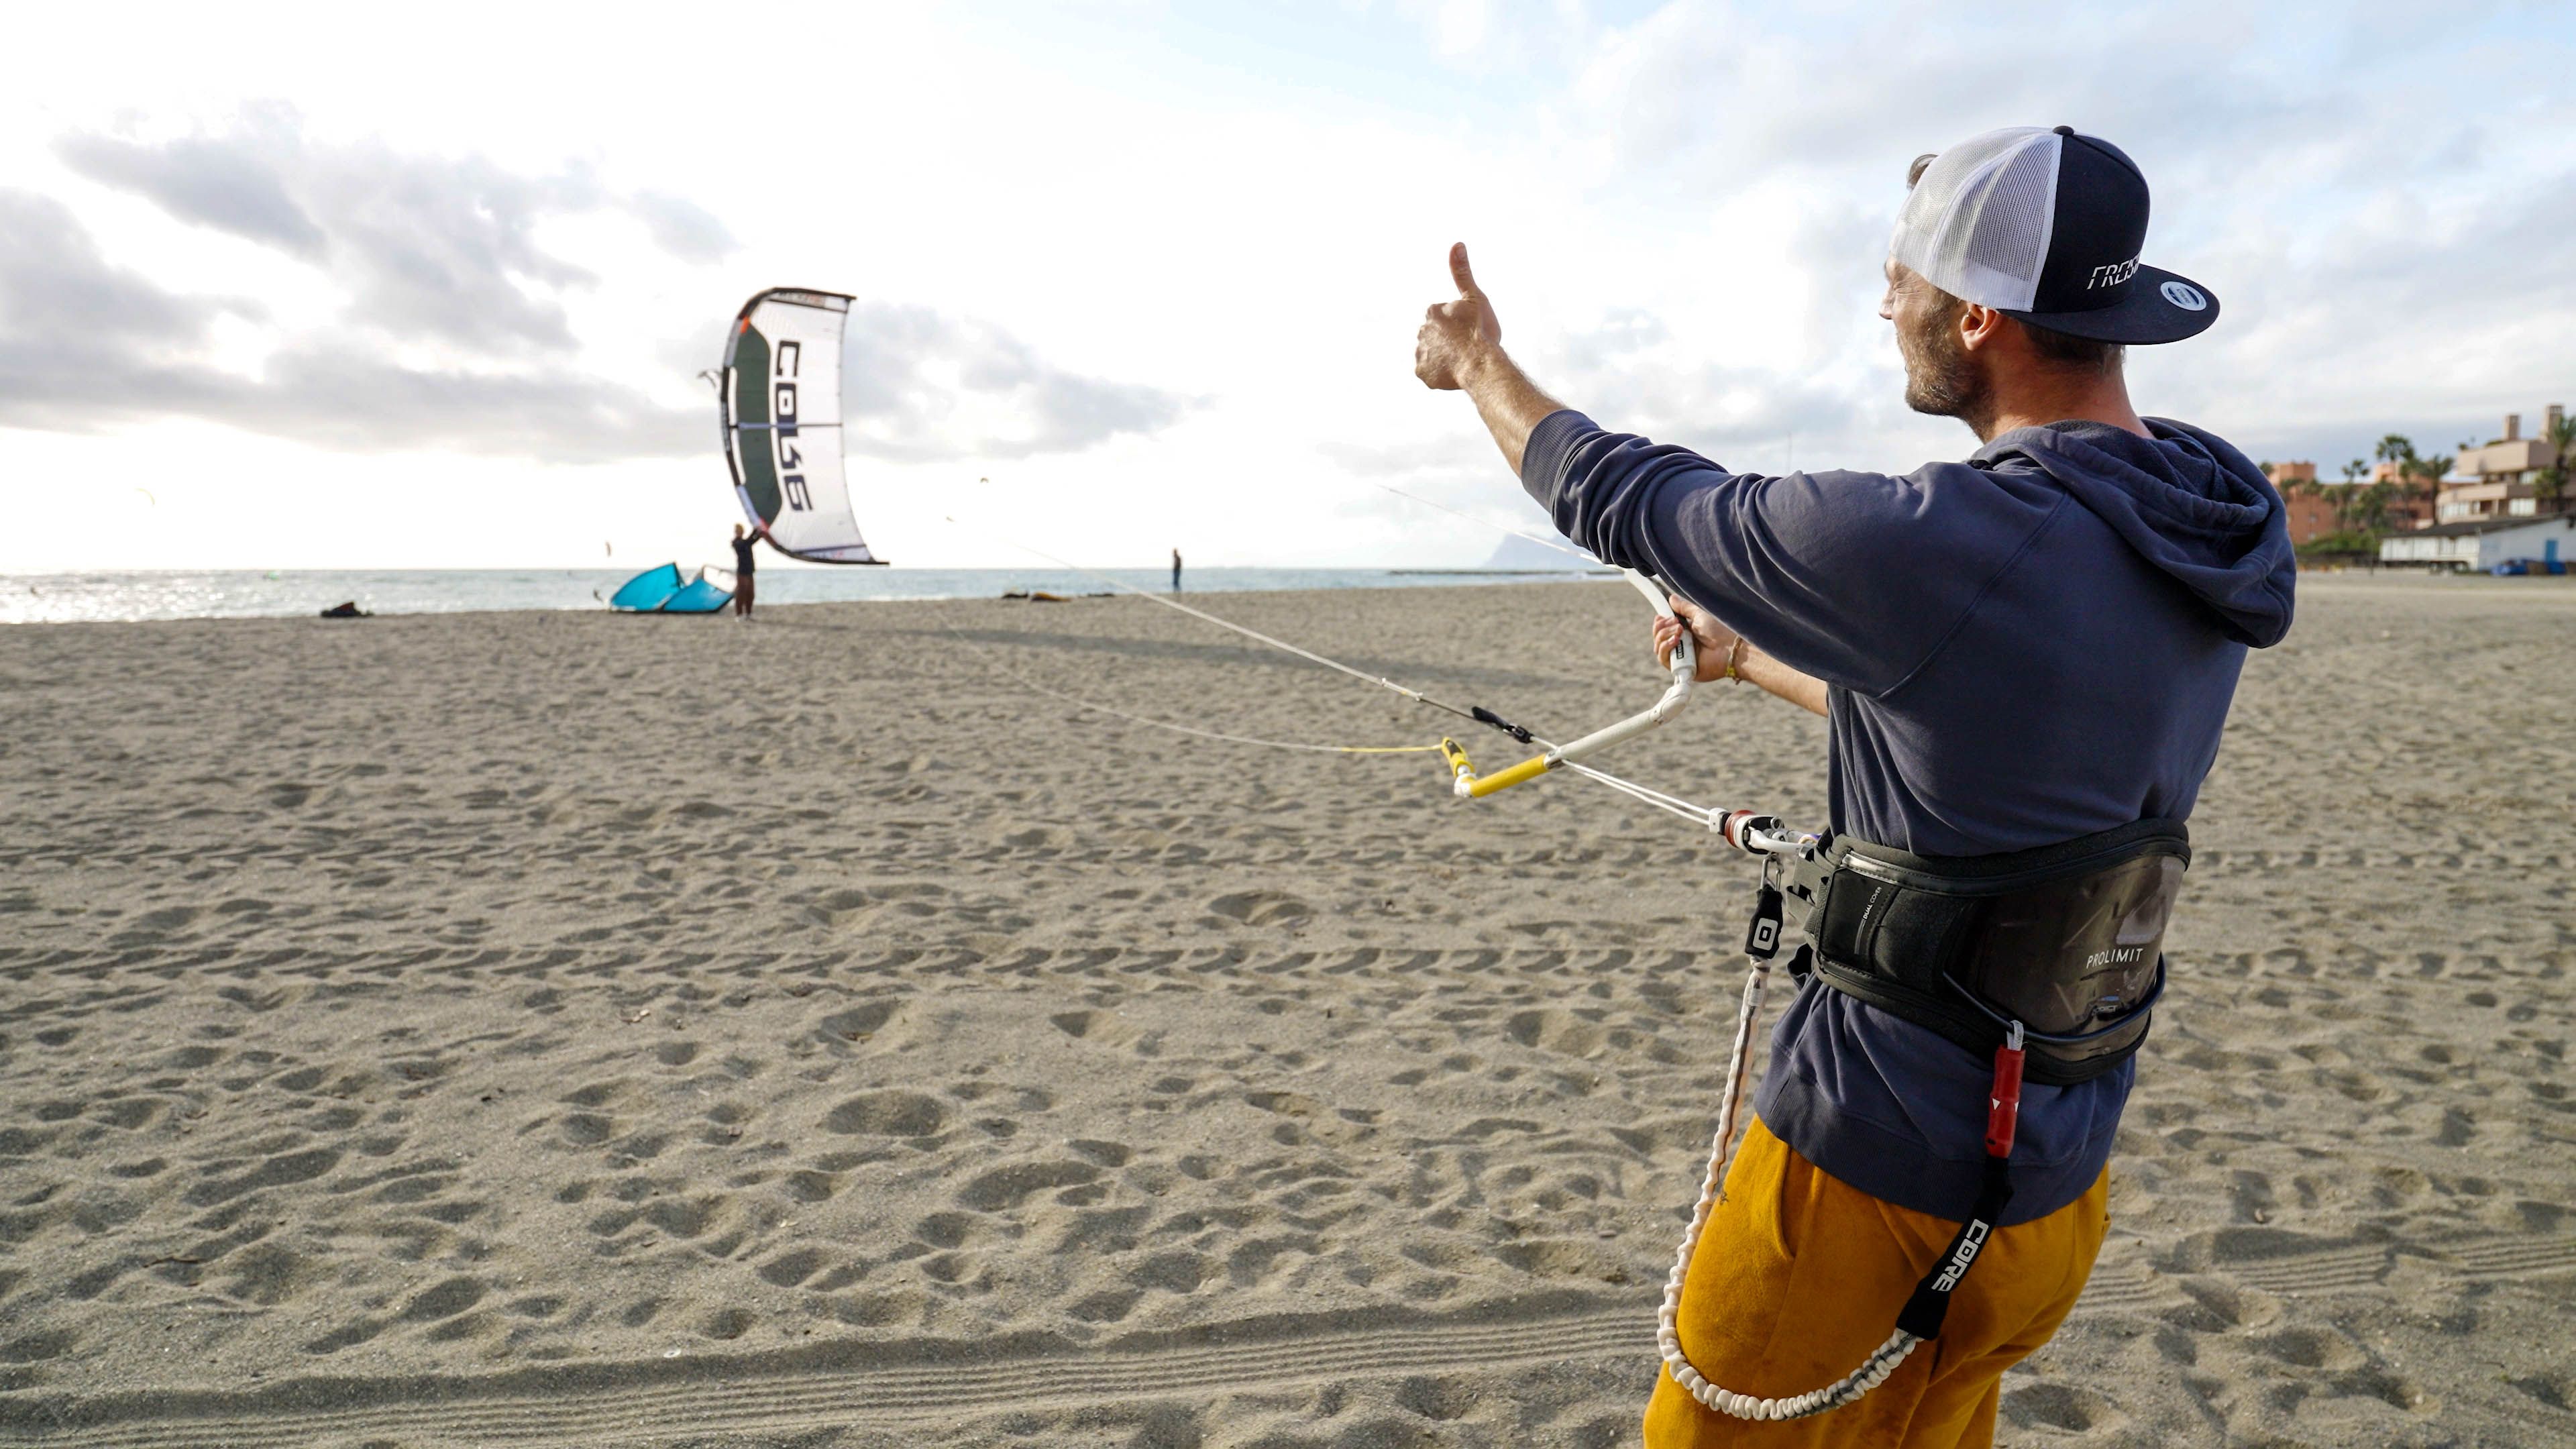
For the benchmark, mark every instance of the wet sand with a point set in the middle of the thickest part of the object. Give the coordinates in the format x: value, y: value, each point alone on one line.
x: 568, y: 1029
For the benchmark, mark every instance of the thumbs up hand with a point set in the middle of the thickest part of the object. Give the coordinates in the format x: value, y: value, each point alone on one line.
x: 1456, y: 336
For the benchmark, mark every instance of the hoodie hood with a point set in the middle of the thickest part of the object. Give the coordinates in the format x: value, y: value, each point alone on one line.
x: 2187, y: 502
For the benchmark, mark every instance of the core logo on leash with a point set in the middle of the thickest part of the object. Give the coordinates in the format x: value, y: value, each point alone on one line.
x: 1970, y: 1240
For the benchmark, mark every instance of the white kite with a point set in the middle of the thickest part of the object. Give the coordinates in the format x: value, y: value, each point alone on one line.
x: 780, y: 398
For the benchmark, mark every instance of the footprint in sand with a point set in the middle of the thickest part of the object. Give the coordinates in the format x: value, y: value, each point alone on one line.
x: 792, y: 1267
x: 946, y: 1230
x: 446, y: 1300
x: 36, y: 1347
x: 888, y: 1114
x: 1008, y: 1187
x: 857, y: 1024
x: 1106, y: 1306
x: 2062, y: 1407
x: 1105, y: 1028
x: 1260, y: 908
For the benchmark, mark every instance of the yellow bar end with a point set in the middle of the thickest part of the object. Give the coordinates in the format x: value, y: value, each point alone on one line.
x: 1457, y: 757
x: 1529, y: 769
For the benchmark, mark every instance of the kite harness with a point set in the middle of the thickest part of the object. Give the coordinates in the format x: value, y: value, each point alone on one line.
x: 2050, y: 960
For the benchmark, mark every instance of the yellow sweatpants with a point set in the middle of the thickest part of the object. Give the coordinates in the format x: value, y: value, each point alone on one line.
x: 1798, y: 1276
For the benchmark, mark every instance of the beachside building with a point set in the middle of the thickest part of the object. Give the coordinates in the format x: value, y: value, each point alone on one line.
x: 2500, y: 479
x: 2479, y: 544
x: 2311, y: 512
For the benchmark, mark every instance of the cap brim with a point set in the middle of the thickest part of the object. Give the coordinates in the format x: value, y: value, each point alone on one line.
x: 2148, y: 314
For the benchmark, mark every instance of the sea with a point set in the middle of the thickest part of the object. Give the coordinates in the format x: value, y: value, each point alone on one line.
x: 287, y: 593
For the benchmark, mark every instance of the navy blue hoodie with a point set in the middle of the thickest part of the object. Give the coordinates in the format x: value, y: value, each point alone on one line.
x: 2036, y: 644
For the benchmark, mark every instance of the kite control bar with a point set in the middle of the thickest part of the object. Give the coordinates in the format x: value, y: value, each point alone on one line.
x: 1472, y: 786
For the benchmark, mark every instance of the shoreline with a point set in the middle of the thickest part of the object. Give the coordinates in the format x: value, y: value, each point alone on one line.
x: 1079, y: 588
x: 95, y: 597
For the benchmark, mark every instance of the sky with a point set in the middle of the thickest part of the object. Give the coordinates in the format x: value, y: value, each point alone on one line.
x: 347, y: 287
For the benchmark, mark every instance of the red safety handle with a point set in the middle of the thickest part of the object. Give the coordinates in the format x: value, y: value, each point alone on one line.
x: 2003, y: 1106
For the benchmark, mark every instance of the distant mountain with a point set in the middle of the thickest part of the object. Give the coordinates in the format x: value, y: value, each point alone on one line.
x: 1522, y: 553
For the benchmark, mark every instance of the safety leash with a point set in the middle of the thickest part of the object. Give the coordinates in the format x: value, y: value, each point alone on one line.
x: 1921, y: 1318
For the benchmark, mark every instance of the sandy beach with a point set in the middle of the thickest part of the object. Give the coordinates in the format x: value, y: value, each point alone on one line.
x: 566, y: 1029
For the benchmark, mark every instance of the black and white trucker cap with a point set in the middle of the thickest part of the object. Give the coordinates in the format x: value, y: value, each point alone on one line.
x: 2046, y: 226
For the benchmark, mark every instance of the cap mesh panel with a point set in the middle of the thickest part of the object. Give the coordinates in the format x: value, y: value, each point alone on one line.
x: 1977, y: 224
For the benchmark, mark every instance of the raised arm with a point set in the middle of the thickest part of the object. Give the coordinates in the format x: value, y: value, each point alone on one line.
x: 1460, y: 349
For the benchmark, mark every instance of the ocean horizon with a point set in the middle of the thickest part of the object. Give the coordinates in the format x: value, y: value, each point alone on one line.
x: 131, y: 595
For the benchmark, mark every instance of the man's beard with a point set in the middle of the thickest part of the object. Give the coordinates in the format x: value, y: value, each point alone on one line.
x: 1939, y: 379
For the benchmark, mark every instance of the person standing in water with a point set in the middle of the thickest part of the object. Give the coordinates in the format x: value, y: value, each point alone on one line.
x: 1176, y: 570
x: 743, y: 564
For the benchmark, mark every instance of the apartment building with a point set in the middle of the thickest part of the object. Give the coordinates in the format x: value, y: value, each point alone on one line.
x: 2311, y: 513
x: 2499, y: 480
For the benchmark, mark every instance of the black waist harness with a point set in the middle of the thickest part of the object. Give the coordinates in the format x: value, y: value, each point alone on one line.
x: 2066, y: 939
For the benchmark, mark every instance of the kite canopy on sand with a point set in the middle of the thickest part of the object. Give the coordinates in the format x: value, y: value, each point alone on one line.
x: 665, y: 590
x: 780, y: 399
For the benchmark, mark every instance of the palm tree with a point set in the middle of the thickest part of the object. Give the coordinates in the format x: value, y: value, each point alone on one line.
x: 2397, y: 451
x: 2551, y: 489
x: 2355, y: 507
x: 2428, y: 472
x: 2409, y: 471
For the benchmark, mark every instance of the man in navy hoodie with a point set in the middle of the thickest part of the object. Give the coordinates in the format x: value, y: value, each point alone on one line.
x: 2034, y: 645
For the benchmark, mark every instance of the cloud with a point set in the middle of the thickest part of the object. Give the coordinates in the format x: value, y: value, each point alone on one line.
x: 1493, y: 36
x: 453, y: 336
x: 55, y: 286
x: 338, y: 397
x: 2386, y: 256
x: 1714, y: 98
x: 1399, y: 460
x: 920, y: 385
x: 85, y: 346
x: 682, y: 227
x: 430, y: 248
x: 206, y: 182
x: 1634, y: 375
x: 1421, y: 488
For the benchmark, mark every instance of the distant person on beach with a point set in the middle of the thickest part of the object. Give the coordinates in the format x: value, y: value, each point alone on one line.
x: 743, y: 565
x: 1176, y: 570
x: 2025, y: 660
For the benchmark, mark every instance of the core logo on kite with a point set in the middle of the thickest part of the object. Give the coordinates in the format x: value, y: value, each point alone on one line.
x: 791, y: 457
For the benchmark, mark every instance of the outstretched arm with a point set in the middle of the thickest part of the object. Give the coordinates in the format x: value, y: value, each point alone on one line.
x: 1460, y: 349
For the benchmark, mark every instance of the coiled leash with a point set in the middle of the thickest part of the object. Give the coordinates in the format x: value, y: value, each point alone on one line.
x: 1922, y: 1316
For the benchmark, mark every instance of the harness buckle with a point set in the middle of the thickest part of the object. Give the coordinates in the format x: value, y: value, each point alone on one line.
x: 1762, y: 934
